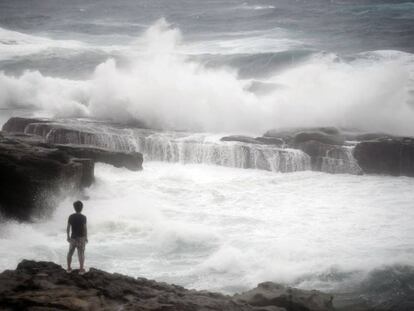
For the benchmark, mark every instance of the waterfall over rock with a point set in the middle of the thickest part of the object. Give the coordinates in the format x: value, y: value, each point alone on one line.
x: 281, y: 153
x: 179, y: 147
x: 161, y: 147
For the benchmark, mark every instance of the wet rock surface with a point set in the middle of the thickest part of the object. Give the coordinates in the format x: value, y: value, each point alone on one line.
x: 256, y: 140
x: 79, y: 143
x: 32, y: 175
x: 389, y: 156
x: 35, y: 174
x: 130, y: 160
x: 328, y: 158
x: 328, y: 135
x: 390, y: 288
x: 326, y: 147
x: 286, y: 298
x: 18, y: 124
x: 47, y: 286
x: 333, y: 150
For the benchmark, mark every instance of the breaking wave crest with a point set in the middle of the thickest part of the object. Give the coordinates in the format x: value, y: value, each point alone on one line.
x: 162, y: 87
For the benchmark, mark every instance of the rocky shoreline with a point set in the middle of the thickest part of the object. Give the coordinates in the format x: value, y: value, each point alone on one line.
x: 46, y: 286
x: 41, y: 286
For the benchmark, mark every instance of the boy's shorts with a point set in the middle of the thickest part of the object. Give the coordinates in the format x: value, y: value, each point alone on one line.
x: 78, y: 243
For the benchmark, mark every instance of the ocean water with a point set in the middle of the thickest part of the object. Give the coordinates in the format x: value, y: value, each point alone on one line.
x: 238, y: 66
x: 226, y: 229
x: 233, y: 67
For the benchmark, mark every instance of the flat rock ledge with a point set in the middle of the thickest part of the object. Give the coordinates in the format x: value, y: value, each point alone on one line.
x: 38, y: 132
x: 35, y: 174
x: 45, y: 286
x: 31, y: 175
x: 336, y: 150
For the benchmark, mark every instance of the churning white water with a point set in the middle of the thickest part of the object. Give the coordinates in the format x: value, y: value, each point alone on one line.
x: 227, y: 229
x: 158, y: 83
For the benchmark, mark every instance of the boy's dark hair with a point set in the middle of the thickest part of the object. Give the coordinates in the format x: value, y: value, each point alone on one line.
x: 78, y: 205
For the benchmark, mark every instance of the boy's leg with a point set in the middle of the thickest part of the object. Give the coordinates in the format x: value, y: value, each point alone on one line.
x: 81, y: 254
x: 70, y: 254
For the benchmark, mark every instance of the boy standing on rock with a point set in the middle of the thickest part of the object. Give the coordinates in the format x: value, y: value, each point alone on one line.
x: 79, y: 236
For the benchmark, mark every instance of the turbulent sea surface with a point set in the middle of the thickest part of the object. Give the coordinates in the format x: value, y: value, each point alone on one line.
x: 220, y: 67
x: 227, y: 229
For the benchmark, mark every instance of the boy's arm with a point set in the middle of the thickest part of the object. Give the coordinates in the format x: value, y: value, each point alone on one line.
x: 68, y: 231
x: 86, y: 233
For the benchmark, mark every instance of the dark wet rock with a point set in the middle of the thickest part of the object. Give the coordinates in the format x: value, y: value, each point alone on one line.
x: 330, y: 150
x: 272, y: 294
x: 288, y: 134
x: 35, y: 174
x: 42, y: 285
x: 325, y: 135
x: 88, y: 171
x: 371, y: 136
x: 334, y: 151
x: 81, y: 134
x: 242, y: 139
x: 251, y: 140
x: 331, y: 139
x: 61, y: 135
x: 325, y: 146
x: 387, y: 156
x: 129, y: 160
x: 389, y: 288
x: 386, y: 289
x: 36, y: 170
x: 46, y: 286
x: 74, y: 132
x: 330, y: 158
x: 80, y: 143
x: 31, y: 176
x: 270, y: 141
x: 18, y: 124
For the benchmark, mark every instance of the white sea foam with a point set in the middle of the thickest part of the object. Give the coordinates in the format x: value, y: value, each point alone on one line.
x: 17, y: 44
x: 246, y: 42
x: 162, y: 87
x: 258, y: 7
x: 228, y: 229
